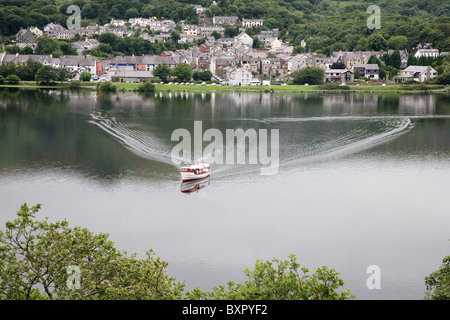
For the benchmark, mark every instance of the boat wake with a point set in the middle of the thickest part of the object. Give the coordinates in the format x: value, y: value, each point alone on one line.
x: 316, y: 139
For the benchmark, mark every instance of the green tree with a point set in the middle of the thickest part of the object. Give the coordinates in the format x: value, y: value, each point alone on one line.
x: 280, y: 280
x: 438, y: 282
x: 162, y: 71
x: 397, y: 42
x: 85, y: 76
x: 146, y: 87
x: 309, y: 75
x: 376, y: 42
x: 12, y: 79
x: 183, y: 72
x: 443, y: 78
x: 47, y: 75
x: 36, y: 255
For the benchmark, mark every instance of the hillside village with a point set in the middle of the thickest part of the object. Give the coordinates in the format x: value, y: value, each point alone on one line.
x: 231, y: 60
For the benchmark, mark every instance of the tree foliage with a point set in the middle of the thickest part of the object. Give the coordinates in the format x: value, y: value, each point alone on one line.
x: 281, y: 280
x: 309, y: 75
x: 438, y: 282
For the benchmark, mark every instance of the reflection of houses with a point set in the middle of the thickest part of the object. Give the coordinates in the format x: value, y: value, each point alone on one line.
x: 417, y: 73
x: 417, y: 104
x: 370, y: 71
x: 348, y: 103
x: 338, y: 75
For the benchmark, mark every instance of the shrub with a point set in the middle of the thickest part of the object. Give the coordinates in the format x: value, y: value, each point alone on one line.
x: 106, y: 86
x: 12, y: 79
x: 2, y: 79
x: 146, y: 87
x: 75, y: 84
x: 85, y: 76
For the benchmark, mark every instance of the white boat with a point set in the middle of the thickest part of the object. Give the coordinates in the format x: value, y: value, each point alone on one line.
x: 195, y: 171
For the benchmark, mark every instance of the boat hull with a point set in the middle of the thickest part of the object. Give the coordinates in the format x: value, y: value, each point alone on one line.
x: 186, y: 176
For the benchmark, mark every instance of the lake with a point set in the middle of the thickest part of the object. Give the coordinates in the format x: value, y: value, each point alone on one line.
x: 361, y: 179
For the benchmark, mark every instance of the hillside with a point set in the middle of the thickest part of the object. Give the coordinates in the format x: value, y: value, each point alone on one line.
x: 326, y: 25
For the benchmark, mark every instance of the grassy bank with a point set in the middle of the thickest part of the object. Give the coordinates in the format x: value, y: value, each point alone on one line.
x: 274, y: 88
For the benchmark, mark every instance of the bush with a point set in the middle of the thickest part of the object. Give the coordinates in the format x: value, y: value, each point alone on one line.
x: 75, y: 84
x: 85, y: 76
x: 12, y: 79
x: 2, y: 79
x: 443, y: 78
x: 146, y: 87
x: 106, y: 86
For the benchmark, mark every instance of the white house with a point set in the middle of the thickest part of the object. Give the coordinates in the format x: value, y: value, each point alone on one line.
x: 238, y: 76
x: 417, y: 73
x: 434, y: 53
x: 244, y: 39
x: 252, y: 23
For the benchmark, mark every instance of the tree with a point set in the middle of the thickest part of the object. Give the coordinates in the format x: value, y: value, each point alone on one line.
x: 281, y: 280
x: 47, y: 75
x: 376, y: 42
x: 216, y: 35
x: 443, y: 78
x: 63, y: 74
x: 309, y: 75
x: 37, y: 255
x: 85, y: 76
x: 438, y: 282
x: 162, y: 71
x: 356, y: 73
x: 146, y: 87
x: 202, y: 75
x: 182, y: 72
x: 298, y: 49
x: 397, y: 42
x: 12, y: 79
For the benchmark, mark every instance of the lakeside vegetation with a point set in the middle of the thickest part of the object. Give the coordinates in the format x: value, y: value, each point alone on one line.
x: 114, y: 87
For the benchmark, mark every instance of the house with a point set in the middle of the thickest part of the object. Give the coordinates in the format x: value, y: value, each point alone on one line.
x: 86, y: 45
x: 370, y: 71
x: 338, y: 75
x: 36, y: 31
x: 225, y: 21
x: 206, y: 32
x: 25, y: 36
x: 238, y: 76
x: 189, y: 29
x: 417, y: 73
x: 244, y: 39
x: 80, y: 63
x: 433, y: 53
x: 252, y: 23
x: 117, y: 23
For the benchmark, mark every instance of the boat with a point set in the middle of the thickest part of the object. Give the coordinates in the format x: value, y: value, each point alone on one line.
x: 195, y: 171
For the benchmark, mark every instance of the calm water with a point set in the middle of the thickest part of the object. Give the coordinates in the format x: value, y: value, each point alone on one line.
x: 363, y: 180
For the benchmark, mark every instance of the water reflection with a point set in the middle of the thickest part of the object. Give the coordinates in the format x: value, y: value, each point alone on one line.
x: 191, y: 186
